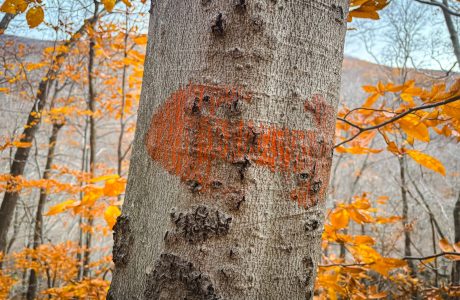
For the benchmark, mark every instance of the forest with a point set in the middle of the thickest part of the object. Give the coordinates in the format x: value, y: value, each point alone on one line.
x: 229, y: 149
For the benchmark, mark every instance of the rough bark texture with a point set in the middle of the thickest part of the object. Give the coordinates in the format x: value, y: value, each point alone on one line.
x: 232, y: 152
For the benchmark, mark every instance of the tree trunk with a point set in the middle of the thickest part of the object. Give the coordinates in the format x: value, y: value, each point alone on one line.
x: 37, y: 240
x: 5, y: 21
x: 456, y: 264
x: 452, y: 30
x: 405, y: 213
x: 92, y: 137
x: 232, y: 152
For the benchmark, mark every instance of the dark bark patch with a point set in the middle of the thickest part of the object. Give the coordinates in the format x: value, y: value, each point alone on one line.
x: 194, y: 186
x: 122, y: 241
x: 240, y: 5
x: 177, y: 278
x: 219, y: 25
x: 202, y: 223
x: 316, y: 187
x: 242, y: 165
x: 308, y: 263
x: 235, y: 200
x: 311, y: 225
x: 339, y: 15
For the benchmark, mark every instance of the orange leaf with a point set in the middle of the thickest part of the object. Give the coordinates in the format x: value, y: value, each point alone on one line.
x: 111, y: 214
x: 339, y: 218
x: 427, y: 161
x: 445, y: 246
x: 413, y: 127
x: 56, y: 209
x: 35, y: 16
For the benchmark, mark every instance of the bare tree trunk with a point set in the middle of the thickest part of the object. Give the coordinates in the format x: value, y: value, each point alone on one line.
x: 6, y: 19
x: 405, y: 213
x: 452, y: 30
x: 10, y: 198
x: 456, y: 264
x: 38, y: 230
x: 92, y: 136
x: 120, y: 155
x: 232, y: 151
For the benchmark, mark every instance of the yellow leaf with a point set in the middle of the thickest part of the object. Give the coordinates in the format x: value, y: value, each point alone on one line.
x: 14, y: 6
x: 364, y: 239
x: 56, y: 209
x: 35, y: 16
x: 114, y: 187
x: 339, y: 218
x: 445, y: 246
x: 452, y: 110
x: 104, y: 177
x: 357, y: 13
x: 141, y: 40
x: 360, y: 216
x: 407, y: 97
x: 392, y: 147
x: 369, y: 89
x: 109, y: 4
x: 413, y: 127
x: 371, y: 100
x: 427, y: 161
x: 111, y: 214
x: 357, y: 150
x: 4, y: 90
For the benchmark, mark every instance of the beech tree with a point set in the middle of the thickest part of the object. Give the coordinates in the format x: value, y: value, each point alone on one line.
x: 232, y: 152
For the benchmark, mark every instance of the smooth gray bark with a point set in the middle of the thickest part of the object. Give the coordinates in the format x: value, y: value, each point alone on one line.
x: 235, y: 127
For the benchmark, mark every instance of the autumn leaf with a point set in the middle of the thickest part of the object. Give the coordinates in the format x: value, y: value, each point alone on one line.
x: 35, y: 16
x: 109, y: 4
x: 392, y: 147
x: 56, y: 209
x: 339, y: 218
x: 104, y: 178
x: 413, y: 127
x: 111, y: 214
x: 357, y: 150
x: 14, y: 6
x: 445, y: 245
x: 427, y: 161
x: 114, y: 187
x: 141, y: 40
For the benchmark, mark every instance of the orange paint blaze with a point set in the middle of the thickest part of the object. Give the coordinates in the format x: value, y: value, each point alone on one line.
x: 201, y: 123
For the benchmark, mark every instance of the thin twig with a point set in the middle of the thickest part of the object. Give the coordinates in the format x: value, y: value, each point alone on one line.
x: 395, y: 118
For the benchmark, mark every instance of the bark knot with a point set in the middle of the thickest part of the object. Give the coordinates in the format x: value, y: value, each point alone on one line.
x: 176, y: 278
x: 122, y: 241
x: 201, y: 223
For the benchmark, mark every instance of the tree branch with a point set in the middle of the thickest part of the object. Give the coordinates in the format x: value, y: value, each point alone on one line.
x: 431, y: 256
x: 442, y: 6
x: 395, y: 118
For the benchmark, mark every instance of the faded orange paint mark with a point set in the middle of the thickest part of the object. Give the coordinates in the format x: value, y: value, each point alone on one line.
x: 201, y: 123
